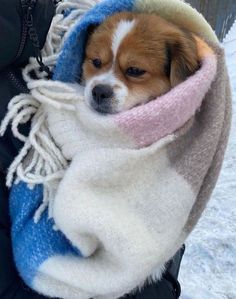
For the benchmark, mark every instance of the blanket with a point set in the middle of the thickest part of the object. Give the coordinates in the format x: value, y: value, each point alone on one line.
x: 101, y: 203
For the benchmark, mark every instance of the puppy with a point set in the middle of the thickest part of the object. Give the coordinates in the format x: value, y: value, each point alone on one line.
x: 133, y: 58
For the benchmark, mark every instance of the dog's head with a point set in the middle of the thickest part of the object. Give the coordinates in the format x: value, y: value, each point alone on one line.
x: 132, y: 58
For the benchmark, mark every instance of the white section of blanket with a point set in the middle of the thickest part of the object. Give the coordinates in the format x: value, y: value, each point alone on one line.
x: 125, y: 209
x: 83, y: 129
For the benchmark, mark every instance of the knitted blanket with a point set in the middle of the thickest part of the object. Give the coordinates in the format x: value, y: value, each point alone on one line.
x: 101, y: 203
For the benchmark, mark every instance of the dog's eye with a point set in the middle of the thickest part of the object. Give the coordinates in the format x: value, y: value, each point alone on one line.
x: 134, y: 72
x: 97, y: 63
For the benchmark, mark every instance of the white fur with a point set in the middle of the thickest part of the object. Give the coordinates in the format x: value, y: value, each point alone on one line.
x: 123, y: 29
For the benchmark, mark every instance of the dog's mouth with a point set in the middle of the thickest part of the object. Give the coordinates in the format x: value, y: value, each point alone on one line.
x: 110, y: 106
x: 103, y: 108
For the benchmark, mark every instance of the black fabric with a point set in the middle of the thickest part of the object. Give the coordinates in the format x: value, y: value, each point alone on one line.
x: 161, y: 290
x: 11, y: 84
x: 11, y: 27
x: 9, y: 146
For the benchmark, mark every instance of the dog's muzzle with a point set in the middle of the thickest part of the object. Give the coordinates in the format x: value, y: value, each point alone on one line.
x: 102, y: 98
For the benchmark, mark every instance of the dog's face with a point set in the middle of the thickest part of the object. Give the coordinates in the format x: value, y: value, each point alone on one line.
x: 132, y: 58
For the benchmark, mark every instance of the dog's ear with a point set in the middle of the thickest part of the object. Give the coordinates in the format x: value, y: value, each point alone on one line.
x: 181, y: 57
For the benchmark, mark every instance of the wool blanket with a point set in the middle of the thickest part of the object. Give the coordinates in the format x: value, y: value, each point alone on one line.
x: 123, y: 191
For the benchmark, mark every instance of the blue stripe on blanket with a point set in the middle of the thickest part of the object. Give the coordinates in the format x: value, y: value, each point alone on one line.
x: 68, y: 68
x: 33, y: 244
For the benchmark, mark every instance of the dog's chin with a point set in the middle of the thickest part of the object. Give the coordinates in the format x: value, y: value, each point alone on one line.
x: 103, y: 108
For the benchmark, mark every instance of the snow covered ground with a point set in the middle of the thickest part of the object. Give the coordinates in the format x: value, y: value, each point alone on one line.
x: 209, y: 265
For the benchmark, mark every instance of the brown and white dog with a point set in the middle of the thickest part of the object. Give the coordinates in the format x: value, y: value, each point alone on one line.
x: 133, y: 58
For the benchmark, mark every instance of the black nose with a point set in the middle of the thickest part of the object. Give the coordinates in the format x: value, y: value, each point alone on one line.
x: 102, y: 93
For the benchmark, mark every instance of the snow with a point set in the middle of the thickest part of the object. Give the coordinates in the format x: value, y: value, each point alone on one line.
x: 208, y: 269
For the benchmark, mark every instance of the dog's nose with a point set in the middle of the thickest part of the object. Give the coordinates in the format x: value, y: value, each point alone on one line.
x: 101, y: 93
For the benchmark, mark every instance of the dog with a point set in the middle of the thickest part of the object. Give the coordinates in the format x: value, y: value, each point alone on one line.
x: 132, y: 58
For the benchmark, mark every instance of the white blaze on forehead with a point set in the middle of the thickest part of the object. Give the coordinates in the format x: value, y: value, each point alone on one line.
x: 123, y: 28
x: 109, y: 77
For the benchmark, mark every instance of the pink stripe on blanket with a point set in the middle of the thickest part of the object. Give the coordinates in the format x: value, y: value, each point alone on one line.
x: 148, y: 123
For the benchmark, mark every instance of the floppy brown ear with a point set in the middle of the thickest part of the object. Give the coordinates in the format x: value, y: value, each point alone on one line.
x: 182, y: 56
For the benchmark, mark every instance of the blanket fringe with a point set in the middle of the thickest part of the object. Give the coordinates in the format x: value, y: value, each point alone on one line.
x: 40, y: 161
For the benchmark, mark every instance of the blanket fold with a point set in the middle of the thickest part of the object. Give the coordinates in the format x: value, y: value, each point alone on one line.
x: 115, y: 196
